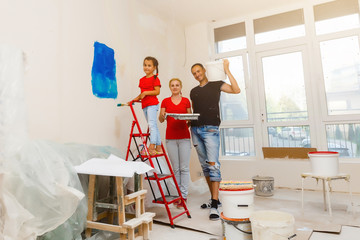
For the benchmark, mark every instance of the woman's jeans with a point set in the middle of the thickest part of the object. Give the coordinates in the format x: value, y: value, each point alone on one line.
x: 179, y: 154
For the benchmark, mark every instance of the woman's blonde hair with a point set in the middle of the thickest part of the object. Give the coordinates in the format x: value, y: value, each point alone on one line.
x: 175, y: 79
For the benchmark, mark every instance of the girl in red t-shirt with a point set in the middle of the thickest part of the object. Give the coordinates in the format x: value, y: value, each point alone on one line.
x: 150, y: 88
x: 177, y: 136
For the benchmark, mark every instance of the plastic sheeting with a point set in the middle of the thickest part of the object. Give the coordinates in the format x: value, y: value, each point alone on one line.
x: 45, y: 192
x: 40, y: 192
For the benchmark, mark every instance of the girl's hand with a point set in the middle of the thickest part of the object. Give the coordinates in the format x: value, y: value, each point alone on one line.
x: 142, y: 95
x: 162, y: 115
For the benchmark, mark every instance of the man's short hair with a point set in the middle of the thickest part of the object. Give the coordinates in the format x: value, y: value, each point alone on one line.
x: 197, y: 64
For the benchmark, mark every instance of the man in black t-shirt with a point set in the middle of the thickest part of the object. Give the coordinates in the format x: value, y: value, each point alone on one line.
x: 205, y: 131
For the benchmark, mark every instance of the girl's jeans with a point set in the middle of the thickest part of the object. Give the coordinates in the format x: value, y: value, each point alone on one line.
x: 151, y: 117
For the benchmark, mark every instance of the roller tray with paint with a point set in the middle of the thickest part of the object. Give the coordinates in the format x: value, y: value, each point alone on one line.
x: 184, y: 116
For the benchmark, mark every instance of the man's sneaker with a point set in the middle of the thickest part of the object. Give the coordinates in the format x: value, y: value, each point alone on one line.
x: 208, y: 205
x: 214, y: 214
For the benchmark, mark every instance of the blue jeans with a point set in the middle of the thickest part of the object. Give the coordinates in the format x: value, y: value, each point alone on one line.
x: 151, y: 117
x: 206, y: 140
x: 179, y: 154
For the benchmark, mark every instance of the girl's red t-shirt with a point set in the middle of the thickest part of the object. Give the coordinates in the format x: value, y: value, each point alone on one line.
x: 176, y: 129
x: 148, y: 84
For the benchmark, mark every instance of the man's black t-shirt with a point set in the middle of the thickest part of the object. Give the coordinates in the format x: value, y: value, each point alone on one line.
x: 205, y: 100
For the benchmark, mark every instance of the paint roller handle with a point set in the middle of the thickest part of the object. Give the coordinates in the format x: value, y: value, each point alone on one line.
x: 122, y: 104
x: 125, y: 104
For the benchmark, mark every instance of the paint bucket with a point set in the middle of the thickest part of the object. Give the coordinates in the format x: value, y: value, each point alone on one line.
x: 324, y: 163
x: 264, y: 185
x: 235, y: 229
x: 272, y: 225
x: 237, y: 201
x: 215, y: 71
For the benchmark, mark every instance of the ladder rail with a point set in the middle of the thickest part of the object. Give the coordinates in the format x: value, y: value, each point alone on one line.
x: 159, y: 180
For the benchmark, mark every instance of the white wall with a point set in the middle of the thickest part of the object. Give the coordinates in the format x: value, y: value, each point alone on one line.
x: 287, y: 173
x: 57, y: 38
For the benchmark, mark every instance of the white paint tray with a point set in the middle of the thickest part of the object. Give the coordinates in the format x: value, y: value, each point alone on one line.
x: 184, y: 116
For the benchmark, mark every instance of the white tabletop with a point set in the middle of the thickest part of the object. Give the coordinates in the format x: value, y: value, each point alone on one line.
x: 112, y: 166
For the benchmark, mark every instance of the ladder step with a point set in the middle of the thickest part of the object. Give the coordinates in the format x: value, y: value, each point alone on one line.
x: 139, y: 135
x: 169, y: 199
x: 159, y: 176
x: 152, y: 156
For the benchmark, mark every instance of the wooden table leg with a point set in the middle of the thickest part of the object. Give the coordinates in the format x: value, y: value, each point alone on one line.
x: 120, y: 203
x: 91, y: 193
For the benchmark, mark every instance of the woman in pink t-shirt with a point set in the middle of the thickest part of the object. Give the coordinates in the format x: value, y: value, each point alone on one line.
x: 177, y: 136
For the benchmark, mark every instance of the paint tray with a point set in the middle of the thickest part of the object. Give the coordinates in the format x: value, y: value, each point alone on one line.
x: 184, y: 116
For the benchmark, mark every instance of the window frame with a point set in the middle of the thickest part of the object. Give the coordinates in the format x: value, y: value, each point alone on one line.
x: 318, y: 116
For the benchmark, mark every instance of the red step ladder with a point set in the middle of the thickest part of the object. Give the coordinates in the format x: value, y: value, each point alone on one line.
x: 166, y: 197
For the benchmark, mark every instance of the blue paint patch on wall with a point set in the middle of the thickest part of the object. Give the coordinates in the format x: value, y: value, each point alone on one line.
x: 103, y: 79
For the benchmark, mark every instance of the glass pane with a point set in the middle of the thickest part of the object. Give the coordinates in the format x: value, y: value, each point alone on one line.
x: 229, y: 38
x: 234, y: 106
x: 230, y: 45
x: 237, y: 141
x: 281, y: 34
x: 284, y: 87
x: 289, y: 136
x: 279, y: 27
x: 341, y: 68
x: 336, y: 16
x: 344, y: 138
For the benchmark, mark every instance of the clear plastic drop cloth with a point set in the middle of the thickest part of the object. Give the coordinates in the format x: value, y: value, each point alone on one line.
x: 104, y: 235
x: 41, y: 195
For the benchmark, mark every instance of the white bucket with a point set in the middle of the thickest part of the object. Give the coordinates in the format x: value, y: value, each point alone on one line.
x: 324, y: 163
x: 235, y: 229
x: 215, y: 70
x: 237, y: 204
x: 272, y: 225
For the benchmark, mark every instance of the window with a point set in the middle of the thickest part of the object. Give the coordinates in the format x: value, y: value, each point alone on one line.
x: 284, y: 87
x: 304, y: 90
x: 279, y: 27
x: 344, y: 138
x: 237, y: 142
x: 341, y: 69
x: 336, y: 16
x: 234, y: 106
x: 230, y: 38
x: 292, y: 136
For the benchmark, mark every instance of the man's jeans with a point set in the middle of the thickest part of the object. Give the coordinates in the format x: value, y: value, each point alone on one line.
x: 206, y: 140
